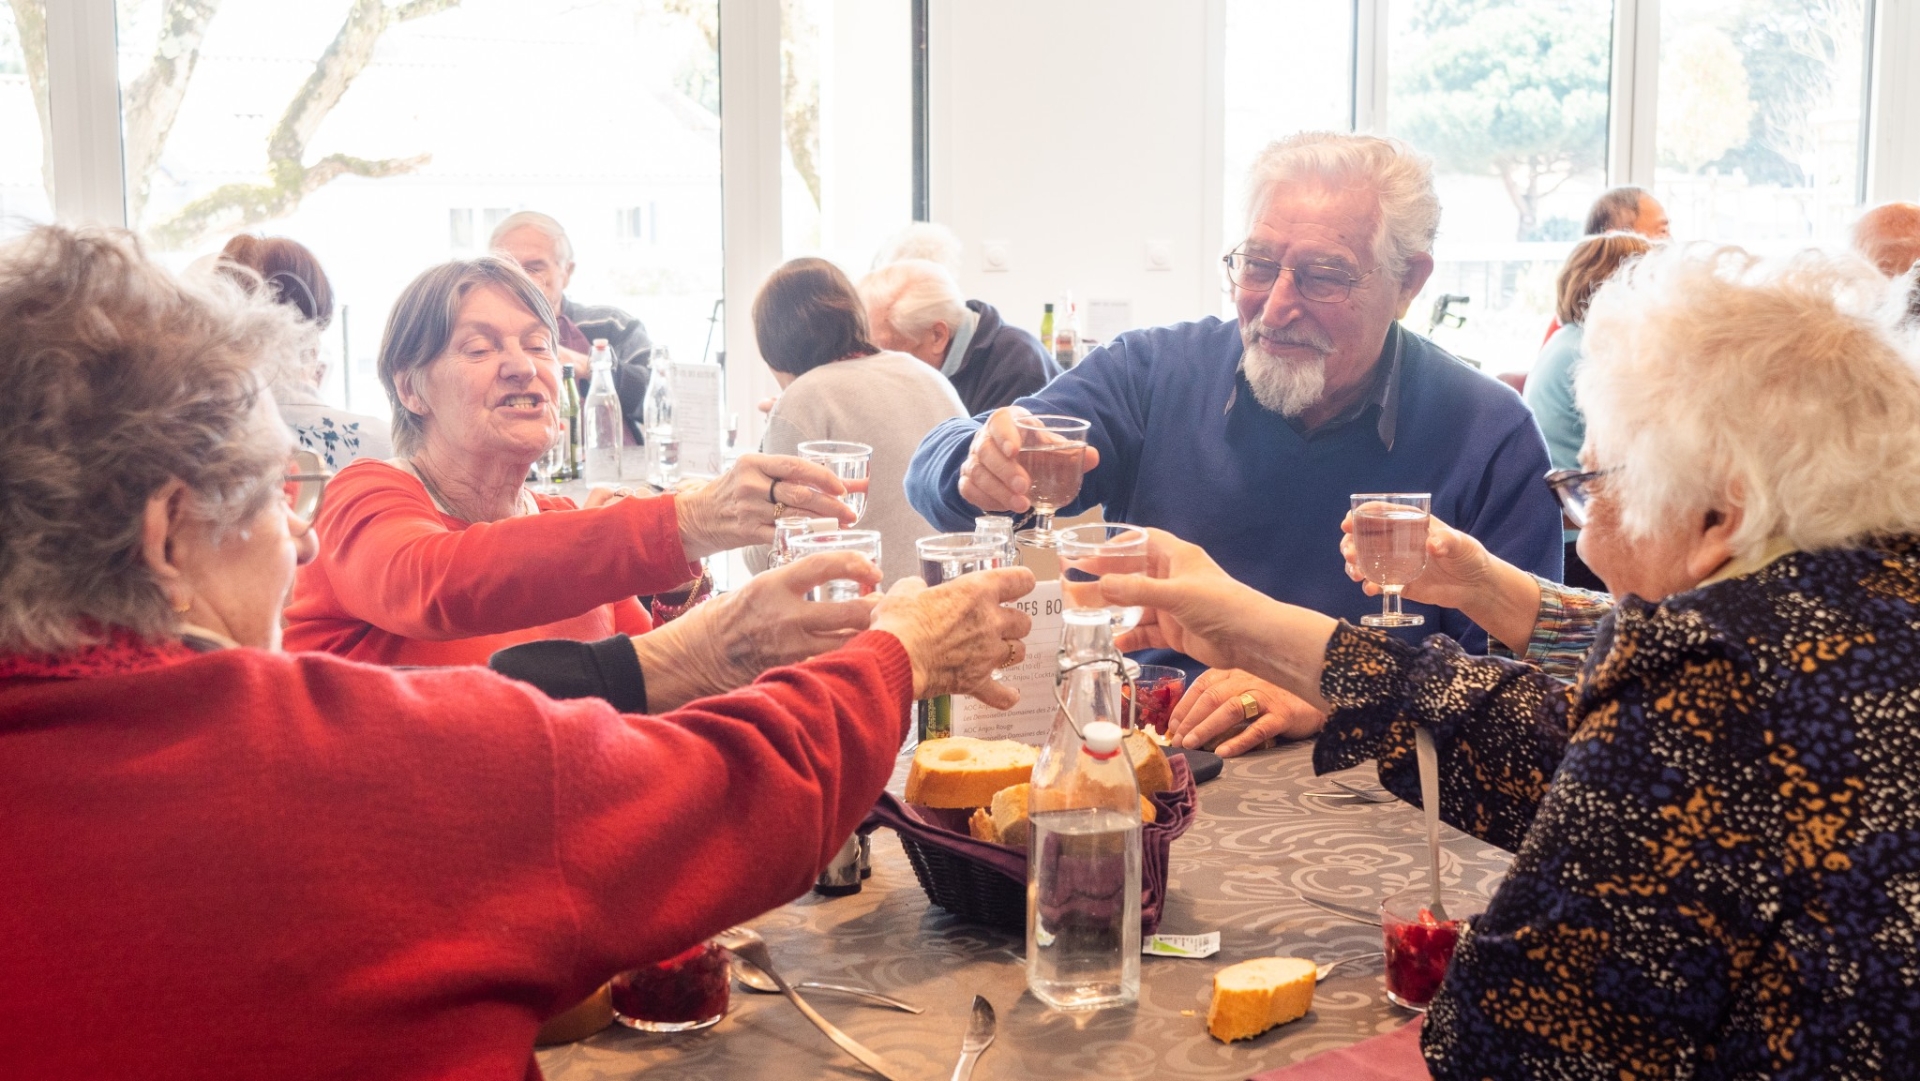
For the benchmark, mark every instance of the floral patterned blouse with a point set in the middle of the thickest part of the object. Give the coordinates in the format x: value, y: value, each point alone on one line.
x: 1717, y: 827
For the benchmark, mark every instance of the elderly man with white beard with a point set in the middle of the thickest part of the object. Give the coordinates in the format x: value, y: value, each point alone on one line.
x: 1248, y: 437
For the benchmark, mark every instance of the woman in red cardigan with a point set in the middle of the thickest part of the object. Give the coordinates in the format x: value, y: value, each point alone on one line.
x: 261, y: 864
x: 442, y: 556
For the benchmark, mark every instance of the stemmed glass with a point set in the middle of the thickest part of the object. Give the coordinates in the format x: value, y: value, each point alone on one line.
x: 1053, y: 452
x: 1390, y: 536
x: 849, y: 462
x: 1088, y: 552
x: 864, y: 541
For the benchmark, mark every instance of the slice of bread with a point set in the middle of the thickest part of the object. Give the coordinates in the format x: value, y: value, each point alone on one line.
x: 1009, y: 819
x: 1150, y: 765
x: 1253, y: 996
x: 981, y: 826
x: 964, y: 772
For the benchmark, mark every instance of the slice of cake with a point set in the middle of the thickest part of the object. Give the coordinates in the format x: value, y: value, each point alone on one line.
x: 1253, y: 996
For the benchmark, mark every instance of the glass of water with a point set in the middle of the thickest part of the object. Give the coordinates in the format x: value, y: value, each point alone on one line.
x: 1390, y: 533
x: 849, y: 462
x: 864, y: 541
x: 1090, y: 552
x: 946, y: 556
x: 784, y: 530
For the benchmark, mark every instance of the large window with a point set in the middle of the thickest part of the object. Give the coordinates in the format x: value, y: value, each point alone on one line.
x: 26, y: 172
x: 390, y: 137
x: 1510, y: 99
x: 1760, y: 132
x: 1313, y: 90
x: 847, y: 99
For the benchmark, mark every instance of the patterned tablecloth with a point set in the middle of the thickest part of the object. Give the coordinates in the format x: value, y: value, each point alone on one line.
x: 1262, y: 838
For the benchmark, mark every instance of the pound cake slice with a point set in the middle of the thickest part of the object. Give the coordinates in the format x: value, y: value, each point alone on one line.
x: 962, y: 772
x: 1253, y: 996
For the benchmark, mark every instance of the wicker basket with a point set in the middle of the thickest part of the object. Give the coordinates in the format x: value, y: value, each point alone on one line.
x: 986, y: 883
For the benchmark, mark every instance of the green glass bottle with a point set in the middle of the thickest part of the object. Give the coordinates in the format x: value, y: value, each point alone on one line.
x: 1046, y: 328
x: 570, y: 413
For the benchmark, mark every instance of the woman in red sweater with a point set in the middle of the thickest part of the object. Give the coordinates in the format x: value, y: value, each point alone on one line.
x: 442, y: 556
x: 261, y: 864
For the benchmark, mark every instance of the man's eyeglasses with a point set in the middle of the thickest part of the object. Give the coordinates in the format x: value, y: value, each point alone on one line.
x: 1321, y: 284
x: 1575, y: 491
x: 305, y: 484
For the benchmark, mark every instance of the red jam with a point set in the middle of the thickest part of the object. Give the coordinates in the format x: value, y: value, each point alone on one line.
x: 1417, y: 956
x: 686, y: 990
x: 1157, y: 701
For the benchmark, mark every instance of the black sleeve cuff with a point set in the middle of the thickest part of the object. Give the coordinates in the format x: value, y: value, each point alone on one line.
x: 607, y: 669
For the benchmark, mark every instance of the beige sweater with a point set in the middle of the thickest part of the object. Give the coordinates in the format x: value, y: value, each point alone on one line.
x: 888, y: 401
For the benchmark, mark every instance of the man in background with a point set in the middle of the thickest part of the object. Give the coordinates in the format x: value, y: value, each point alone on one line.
x: 1628, y: 210
x: 539, y: 244
x: 1888, y: 236
x: 914, y: 306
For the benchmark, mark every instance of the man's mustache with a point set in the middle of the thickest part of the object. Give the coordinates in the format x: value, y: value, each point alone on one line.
x: 1299, y: 337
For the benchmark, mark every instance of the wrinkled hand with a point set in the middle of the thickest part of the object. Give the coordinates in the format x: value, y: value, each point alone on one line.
x: 1459, y: 569
x: 732, y: 511
x: 1212, y: 713
x: 991, y: 478
x: 600, y: 497
x: 1191, y: 604
x: 957, y: 633
x: 730, y: 640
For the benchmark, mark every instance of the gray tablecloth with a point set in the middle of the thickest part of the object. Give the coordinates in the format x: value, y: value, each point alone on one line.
x: 1261, y: 840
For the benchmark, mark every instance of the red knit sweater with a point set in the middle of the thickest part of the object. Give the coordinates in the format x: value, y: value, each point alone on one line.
x: 256, y: 865
x: 398, y: 582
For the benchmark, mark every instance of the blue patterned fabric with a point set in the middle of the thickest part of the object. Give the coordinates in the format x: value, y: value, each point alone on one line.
x: 1717, y: 828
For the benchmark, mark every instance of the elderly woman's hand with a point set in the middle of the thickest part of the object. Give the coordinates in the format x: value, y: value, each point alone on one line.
x: 738, y: 507
x: 957, y: 633
x: 730, y: 640
x: 1462, y: 574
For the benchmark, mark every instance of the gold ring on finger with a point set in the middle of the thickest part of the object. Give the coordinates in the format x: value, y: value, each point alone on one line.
x: 1013, y: 650
x: 1250, y: 706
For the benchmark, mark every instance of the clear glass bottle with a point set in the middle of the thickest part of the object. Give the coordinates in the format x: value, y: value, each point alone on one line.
x: 663, y: 447
x: 1066, y: 336
x: 1083, y: 869
x: 600, y: 426
x: 570, y: 418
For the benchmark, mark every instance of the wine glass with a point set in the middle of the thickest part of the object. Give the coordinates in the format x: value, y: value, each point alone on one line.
x: 1088, y: 552
x: 946, y: 556
x: 1390, y: 535
x: 1053, y: 453
x: 864, y: 541
x: 849, y: 462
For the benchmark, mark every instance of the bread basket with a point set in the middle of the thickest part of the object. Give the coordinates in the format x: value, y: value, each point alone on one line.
x: 985, y: 883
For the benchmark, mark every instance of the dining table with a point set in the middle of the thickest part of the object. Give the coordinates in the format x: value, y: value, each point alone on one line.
x: 1269, y: 839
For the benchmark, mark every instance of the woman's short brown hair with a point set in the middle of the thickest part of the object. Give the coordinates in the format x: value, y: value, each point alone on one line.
x: 119, y: 378
x: 808, y: 314
x: 421, y: 326
x: 1588, y: 266
x: 291, y: 273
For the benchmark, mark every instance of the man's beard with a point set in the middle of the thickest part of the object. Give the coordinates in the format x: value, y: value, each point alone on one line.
x: 1286, y: 385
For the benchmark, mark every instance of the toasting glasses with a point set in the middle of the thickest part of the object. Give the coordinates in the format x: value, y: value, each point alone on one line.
x: 1053, y: 451
x: 1390, y: 533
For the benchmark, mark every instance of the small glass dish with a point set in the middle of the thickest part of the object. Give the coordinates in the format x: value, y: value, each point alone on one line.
x: 1419, y: 947
x: 681, y: 994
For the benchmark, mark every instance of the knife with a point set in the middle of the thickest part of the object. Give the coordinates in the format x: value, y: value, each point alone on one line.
x: 1372, y: 919
x: 979, y: 1036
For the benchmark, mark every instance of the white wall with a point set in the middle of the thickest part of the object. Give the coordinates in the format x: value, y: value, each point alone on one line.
x: 1079, y: 132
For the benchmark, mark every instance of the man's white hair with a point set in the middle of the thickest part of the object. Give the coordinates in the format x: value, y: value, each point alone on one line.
x: 912, y: 295
x: 533, y: 219
x: 1713, y: 375
x: 921, y: 240
x: 1400, y: 178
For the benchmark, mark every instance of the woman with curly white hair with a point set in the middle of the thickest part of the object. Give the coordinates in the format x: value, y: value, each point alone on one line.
x: 1716, y: 826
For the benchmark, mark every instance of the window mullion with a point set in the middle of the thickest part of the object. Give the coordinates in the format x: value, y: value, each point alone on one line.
x: 83, y: 107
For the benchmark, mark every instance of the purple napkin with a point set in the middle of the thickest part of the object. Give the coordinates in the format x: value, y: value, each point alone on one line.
x: 947, y: 829
x: 1392, y: 1057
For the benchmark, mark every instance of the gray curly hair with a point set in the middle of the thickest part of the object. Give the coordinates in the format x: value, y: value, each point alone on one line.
x: 1400, y: 178
x: 120, y: 378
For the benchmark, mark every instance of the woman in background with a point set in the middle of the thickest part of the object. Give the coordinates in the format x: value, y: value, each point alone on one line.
x: 811, y: 326
x: 292, y: 276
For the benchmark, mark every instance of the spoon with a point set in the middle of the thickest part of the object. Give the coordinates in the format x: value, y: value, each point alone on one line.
x: 1430, y: 803
x: 755, y: 980
x: 1322, y: 971
x: 746, y: 943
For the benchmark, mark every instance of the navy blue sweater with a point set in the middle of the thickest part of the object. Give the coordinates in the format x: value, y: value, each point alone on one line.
x: 1185, y: 447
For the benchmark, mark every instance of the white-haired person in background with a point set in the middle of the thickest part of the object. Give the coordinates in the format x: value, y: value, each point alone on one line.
x: 914, y: 306
x: 540, y: 245
x: 1248, y: 437
x: 1716, y: 827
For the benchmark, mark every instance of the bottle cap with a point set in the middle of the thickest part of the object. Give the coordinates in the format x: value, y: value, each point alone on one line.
x: 599, y: 343
x: 1103, y: 738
